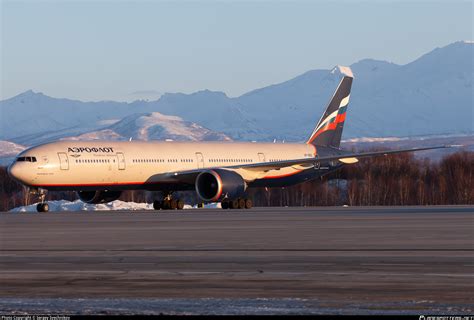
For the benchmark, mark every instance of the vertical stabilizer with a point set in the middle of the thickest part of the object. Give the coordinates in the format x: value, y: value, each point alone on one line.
x: 328, y: 131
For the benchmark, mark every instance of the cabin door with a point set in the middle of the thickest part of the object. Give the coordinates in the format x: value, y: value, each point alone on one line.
x: 261, y: 157
x: 200, y: 160
x: 63, y: 161
x: 121, y: 161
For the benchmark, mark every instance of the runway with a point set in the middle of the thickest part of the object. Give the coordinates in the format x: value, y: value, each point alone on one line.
x: 376, y: 258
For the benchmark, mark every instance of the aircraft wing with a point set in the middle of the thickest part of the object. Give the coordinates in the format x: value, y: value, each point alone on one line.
x: 343, y: 157
x: 189, y: 176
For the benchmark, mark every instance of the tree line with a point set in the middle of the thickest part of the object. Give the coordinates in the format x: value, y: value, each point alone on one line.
x: 391, y: 180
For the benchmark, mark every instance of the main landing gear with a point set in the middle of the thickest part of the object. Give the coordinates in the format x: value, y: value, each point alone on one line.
x: 42, y: 206
x: 168, y: 203
x: 239, y: 203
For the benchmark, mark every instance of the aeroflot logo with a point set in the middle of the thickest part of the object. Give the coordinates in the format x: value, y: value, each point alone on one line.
x: 81, y: 149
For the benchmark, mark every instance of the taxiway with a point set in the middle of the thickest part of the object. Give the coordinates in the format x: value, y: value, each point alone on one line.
x: 336, y: 255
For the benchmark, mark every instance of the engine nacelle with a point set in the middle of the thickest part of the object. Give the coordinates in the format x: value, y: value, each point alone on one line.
x: 96, y: 197
x: 213, y: 185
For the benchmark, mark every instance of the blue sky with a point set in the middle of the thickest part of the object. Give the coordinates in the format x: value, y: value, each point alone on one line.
x: 106, y: 50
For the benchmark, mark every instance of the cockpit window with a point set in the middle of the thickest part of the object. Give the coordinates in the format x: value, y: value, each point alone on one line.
x: 27, y: 159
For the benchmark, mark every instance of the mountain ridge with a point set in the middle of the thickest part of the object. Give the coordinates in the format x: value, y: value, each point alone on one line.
x: 425, y: 96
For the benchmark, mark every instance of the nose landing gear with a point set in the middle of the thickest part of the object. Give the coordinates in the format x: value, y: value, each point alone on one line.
x: 42, y: 206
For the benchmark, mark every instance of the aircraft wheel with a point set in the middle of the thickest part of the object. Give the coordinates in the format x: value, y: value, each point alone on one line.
x: 165, y: 205
x: 234, y: 204
x: 42, y: 207
x: 241, y: 203
x: 157, y: 205
x: 248, y: 204
x: 225, y: 204
x: 173, y: 204
x: 180, y: 204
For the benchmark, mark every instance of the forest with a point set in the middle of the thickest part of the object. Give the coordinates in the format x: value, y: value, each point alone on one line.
x: 390, y: 180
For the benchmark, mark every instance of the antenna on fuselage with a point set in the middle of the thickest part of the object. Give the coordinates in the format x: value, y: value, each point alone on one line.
x: 130, y: 139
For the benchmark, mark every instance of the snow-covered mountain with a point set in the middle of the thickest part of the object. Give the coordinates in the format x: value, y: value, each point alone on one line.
x: 35, y: 113
x: 31, y: 117
x: 431, y: 95
x: 153, y: 126
x: 8, y: 150
x: 140, y: 126
x: 211, y: 109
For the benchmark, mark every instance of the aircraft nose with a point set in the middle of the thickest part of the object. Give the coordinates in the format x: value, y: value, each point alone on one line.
x: 14, y: 171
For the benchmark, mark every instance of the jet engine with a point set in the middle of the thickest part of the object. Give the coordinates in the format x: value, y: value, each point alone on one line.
x: 96, y: 197
x: 213, y: 185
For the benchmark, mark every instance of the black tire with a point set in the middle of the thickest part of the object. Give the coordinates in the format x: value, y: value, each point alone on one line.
x: 180, y: 204
x: 234, y: 204
x: 157, y: 205
x: 241, y: 203
x: 200, y: 205
x: 42, y: 207
x: 248, y: 204
x: 173, y: 204
x: 165, y: 205
x: 225, y: 204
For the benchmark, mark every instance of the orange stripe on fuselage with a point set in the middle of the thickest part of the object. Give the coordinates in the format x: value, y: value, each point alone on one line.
x: 98, y: 184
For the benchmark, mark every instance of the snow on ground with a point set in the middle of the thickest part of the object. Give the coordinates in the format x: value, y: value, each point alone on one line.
x: 117, y: 205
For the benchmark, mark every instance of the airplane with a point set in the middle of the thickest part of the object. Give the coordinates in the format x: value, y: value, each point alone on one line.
x: 218, y: 171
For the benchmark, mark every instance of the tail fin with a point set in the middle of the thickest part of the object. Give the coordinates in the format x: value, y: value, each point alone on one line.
x: 328, y: 131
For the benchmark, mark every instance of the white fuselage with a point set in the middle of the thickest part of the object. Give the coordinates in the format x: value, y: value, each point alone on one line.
x: 76, y: 165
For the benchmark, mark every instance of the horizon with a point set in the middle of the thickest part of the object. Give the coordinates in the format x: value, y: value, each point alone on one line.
x: 142, y: 49
x: 34, y: 91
